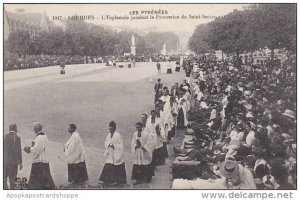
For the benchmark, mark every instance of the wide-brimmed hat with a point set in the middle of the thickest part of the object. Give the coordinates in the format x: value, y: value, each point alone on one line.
x: 289, y: 113
x: 229, y: 168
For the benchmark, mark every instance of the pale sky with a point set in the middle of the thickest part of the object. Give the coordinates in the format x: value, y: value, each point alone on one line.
x: 98, y: 10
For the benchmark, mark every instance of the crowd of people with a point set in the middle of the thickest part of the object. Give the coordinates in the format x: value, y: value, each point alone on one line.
x: 37, y: 61
x: 242, y: 127
x: 40, y: 61
x: 240, y: 124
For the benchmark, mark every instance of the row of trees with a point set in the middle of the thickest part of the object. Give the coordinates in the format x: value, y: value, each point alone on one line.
x: 258, y: 26
x: 81, y: 38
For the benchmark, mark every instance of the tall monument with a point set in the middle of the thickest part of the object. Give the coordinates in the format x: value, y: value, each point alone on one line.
x: 164, y: 51
x: 133, y: 45
x: 133, y: 51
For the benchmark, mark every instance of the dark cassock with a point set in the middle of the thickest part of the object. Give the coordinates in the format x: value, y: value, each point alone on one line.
x: 76, y: 156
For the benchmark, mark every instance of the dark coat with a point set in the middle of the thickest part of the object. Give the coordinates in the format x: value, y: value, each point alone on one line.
x: 12, y: 149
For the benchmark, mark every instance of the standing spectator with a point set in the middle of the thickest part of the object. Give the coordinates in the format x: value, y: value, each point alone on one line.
x: 158, y: 68
x: 62, y: 67
x: 12, y: 156
x: 76, y: 156
x: 40, y: 175
x: 142, y: 155
x: 113, y: 172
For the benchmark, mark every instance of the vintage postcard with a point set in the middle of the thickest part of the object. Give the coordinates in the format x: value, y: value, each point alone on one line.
x: 150, y: 96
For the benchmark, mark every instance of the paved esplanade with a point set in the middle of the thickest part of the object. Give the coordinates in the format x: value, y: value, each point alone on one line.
x: 89, y: 95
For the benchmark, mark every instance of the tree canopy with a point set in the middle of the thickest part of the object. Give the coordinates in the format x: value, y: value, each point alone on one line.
x: 258, y: 26
x: 81, y: 38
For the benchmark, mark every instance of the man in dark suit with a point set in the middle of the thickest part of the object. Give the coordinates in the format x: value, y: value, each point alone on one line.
x: 12, y: 156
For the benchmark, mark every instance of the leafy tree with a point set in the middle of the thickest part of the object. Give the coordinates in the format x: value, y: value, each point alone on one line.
x: 156, y: 40
x: 18, y: 42
x: 258, y: 26
x: 198, y: 41
x: 276, y: 25
x: 228, y: 33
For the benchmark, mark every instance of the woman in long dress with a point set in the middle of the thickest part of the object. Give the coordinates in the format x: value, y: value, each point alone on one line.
x: 113, y: 172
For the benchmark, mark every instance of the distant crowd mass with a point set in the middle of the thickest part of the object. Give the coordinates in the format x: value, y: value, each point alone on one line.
x: 32, y: 61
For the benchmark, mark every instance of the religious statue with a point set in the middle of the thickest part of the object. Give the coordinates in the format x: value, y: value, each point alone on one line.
x: 132, y: 41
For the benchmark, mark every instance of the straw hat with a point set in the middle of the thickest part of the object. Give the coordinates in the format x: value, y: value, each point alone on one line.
x: 289, y: 113
x: 229, y: 168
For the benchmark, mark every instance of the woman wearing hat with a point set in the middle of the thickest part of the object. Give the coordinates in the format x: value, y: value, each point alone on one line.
x: 236, y: 176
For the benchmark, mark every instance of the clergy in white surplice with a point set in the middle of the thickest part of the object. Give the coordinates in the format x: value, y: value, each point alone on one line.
x: 40, y: 176
x: 141, y: 147
x: 153, y: 127
x: 113, y: 172
x: 75, y: 156
x: 163, y: 113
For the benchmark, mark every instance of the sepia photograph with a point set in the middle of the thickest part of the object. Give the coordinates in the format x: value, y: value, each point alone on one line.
x: 156, y: 96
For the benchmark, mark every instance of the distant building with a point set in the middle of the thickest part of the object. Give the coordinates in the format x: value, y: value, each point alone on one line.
x: 34, y: 23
